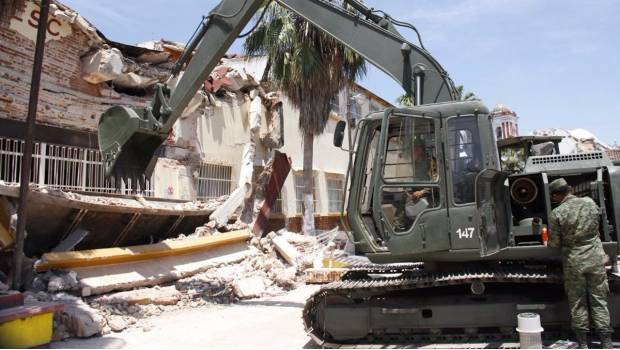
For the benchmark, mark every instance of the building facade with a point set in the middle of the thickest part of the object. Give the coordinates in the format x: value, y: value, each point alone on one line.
x: 505, y: 122
x: 228, y: 122
x: 330, y: 163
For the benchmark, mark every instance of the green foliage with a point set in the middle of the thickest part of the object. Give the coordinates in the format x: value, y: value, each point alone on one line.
x: 467, y: 96
x: 512, y: 159
x: 406, y: 100
x: 307, y: 65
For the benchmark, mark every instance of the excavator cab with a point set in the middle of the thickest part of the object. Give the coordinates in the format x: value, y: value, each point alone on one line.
x: 416, y: 174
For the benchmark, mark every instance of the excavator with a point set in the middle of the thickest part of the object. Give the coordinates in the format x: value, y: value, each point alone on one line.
x: 463, y: 260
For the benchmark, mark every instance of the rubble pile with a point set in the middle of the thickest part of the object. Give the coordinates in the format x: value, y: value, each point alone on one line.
x: 209, y: 229
x: 267, y: 272
x: 135, y: 201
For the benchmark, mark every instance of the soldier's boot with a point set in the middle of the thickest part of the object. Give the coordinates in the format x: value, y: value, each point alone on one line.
x: 606, y: 342
x: 582, y: 339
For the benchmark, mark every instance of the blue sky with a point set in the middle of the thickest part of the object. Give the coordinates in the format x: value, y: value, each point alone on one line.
x: 555, y: 62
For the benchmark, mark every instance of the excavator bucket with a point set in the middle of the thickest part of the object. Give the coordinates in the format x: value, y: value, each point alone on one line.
x: 128, y: 142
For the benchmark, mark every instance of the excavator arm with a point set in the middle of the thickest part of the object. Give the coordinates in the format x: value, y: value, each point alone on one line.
x: 130, y: 137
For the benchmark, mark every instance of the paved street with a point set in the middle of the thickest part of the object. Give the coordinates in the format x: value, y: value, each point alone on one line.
x: 273, y: 322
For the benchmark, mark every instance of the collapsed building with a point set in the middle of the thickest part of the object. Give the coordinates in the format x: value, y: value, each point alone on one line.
x: 580, y: 140
x: 232, y: 124
x: 180, y: 239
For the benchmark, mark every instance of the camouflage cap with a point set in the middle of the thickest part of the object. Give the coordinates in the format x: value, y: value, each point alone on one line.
x: 558, y: 185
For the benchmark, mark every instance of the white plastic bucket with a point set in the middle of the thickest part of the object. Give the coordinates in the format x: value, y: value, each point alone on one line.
x: 529, y: 328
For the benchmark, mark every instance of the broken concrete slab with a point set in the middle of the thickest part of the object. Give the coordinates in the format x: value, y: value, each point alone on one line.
x: 134, y: 81
x: 226, y: 210
x: 288, y: 251
x: 157, y: 295
x: 250, y: 287
x: 102, y: 65
x: 117, y: 323
x: 80, y: 319
x: 103, y: 279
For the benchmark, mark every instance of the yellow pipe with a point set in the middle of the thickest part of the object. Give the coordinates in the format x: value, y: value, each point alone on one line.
x: 106, y: 256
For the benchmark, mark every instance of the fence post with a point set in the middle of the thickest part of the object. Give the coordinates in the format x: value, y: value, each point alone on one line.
x: 42, y: 163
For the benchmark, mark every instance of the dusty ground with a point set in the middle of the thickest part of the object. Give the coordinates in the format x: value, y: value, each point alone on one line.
x: 269, y: 322
x: 273, y: 322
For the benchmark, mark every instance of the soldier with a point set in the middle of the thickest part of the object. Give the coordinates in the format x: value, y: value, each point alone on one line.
x: 574, y: 227
x: 425, y: 169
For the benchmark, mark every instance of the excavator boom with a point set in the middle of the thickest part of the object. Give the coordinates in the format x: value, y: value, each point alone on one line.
x: 130, y: 137
x: 427, y: 192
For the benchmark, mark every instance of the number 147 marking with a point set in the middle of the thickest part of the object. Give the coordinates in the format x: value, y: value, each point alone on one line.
x: 467, y: 232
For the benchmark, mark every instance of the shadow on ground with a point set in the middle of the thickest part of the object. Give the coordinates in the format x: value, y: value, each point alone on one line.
x: 90, y: 343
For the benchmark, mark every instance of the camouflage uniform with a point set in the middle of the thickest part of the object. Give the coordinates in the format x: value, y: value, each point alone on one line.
x: 574, y: 227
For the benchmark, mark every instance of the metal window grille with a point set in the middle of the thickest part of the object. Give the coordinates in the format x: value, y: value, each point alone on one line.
x: 277, y: 205
x: 62, y: 167
x: 213, y: 181
x: 299, y: 192
x: 335, y: 193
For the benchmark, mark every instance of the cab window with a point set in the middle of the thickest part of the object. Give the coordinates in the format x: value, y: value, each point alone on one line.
x: 410, y: 172
x: 464, y: 157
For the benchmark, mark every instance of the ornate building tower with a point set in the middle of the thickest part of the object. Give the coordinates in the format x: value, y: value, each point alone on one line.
x: 505, y: 122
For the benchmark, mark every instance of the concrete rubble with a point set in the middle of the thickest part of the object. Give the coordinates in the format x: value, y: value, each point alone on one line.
x: 78, y: 319
x: 266, y: 272
x: 136, y: 201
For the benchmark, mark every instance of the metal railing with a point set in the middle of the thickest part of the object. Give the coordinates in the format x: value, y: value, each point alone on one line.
x: 63, y: 167
x: 213, y: 181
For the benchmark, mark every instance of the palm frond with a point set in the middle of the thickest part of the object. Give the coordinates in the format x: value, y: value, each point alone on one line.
x: 405, y: 100
x: 307, y: 65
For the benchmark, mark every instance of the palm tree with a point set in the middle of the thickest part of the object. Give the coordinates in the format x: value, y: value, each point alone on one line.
x: 309, y: 68
x: 407, y: 101
x: 404, y: 100
x: 9, y: 8
x: 468, y: 96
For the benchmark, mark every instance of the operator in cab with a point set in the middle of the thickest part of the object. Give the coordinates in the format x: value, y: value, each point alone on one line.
x: 574, y: 228
x: 415, y: 201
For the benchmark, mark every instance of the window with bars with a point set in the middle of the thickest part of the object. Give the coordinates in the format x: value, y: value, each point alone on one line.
x: 299, y: 191
x: 213, y: 181
x: 335, y: 192
x: 63, y: 167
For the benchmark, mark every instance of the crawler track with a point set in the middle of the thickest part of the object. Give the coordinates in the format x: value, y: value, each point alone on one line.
x: 363, y: 283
